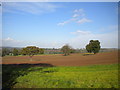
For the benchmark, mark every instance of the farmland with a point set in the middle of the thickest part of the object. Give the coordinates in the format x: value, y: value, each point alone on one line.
x: 58, y: 71
x: 60, y: 60
x: 59, y: 45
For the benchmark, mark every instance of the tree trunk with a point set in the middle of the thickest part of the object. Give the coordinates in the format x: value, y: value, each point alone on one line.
x: 65, y: 54
x: 30, y: 58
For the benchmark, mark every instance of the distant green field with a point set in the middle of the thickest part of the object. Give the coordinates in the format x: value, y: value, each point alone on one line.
x: 96, y: 76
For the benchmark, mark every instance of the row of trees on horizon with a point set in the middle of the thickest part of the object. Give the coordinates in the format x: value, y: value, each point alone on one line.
x: 92, y: 47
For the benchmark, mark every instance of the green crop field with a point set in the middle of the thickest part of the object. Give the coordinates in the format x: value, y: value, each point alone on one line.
x: 95, y: 76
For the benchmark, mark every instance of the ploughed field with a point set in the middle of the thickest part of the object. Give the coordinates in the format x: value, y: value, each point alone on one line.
x: 60, y: 60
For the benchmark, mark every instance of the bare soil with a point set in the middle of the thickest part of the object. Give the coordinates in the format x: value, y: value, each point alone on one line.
x: 60, y: 60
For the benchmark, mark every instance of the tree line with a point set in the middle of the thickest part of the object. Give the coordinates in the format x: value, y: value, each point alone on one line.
x: 23, y: 51
x: 92, y: 47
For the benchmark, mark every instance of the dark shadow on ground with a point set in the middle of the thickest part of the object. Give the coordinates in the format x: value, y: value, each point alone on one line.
x: 12, y: 71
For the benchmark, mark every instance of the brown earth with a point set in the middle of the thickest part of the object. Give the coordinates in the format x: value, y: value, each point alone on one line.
x: 60, y: 60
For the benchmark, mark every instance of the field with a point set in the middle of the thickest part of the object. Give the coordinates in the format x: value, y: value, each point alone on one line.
x: 58, y: 71
x: 60, y: 60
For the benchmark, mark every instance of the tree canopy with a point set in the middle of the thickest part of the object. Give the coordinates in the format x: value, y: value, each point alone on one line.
x: 41, y: 51
x: 5, y: 52
x: 66, y: 50
x: 93, y: 46
x: 30, y: 50
x: 15, y: 52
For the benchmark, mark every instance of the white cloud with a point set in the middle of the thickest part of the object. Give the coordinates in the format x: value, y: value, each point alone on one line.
x: 108, y: 40
x: 80, y: 32
x: 9, y: 42
x: 12, y: 42
x: 68, y: 21
x: 78, y: 17
x: 29, y: 7
x: 8, y: 39
x: 80, y: 40
x: 83, y: 20
x: 63, y: 23
x: 78, y: 10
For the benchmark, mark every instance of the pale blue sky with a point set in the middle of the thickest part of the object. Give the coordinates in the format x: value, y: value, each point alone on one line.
x: 55, y: 24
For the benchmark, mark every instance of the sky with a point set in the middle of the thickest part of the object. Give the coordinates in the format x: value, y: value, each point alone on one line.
x: 54, y: 24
